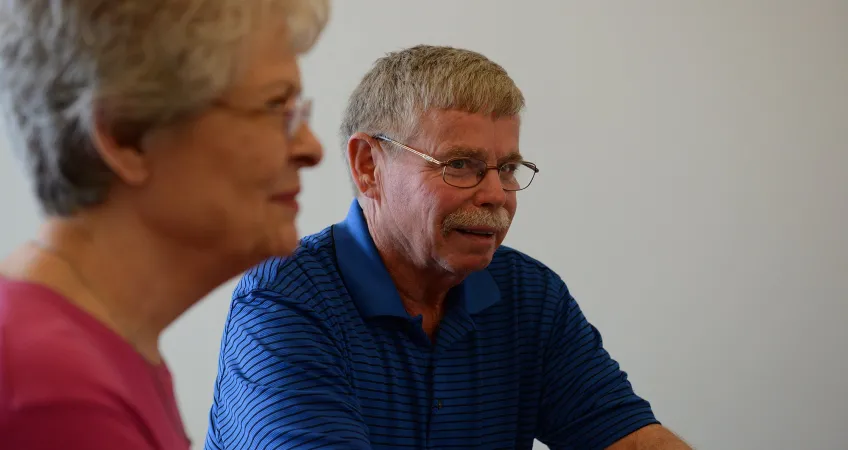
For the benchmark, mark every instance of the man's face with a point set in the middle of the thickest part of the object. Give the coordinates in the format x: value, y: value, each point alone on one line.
x: 456, y: 229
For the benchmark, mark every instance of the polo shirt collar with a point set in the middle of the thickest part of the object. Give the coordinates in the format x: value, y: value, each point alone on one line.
x: 370, y: 285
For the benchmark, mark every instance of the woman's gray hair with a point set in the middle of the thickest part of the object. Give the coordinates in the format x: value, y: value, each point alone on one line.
x: 137, y: 63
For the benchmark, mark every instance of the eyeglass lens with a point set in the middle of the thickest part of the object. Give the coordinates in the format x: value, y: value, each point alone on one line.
x: 469, y: 172
x: 300, y: 115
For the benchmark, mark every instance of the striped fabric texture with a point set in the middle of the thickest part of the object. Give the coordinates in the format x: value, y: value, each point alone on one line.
x: 318, y: 352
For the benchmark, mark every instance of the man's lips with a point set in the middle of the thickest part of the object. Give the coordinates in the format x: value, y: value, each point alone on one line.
x: 478, y: 231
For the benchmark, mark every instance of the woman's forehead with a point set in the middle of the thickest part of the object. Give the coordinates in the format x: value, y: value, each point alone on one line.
x: 268, y: 59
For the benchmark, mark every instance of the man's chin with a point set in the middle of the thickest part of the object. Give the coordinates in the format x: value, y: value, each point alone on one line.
x: 468, y: 263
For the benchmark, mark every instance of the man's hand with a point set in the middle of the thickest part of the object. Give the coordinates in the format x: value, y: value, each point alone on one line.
x: 651, y: 437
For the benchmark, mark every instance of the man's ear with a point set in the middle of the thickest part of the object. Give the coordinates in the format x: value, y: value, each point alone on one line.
x: 362, y: 158
x: 123, y: 156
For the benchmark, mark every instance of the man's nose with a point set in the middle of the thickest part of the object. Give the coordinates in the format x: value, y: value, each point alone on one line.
x: 490, y: 191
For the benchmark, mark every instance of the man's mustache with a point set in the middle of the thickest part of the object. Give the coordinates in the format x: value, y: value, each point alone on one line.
x: 497, y: 219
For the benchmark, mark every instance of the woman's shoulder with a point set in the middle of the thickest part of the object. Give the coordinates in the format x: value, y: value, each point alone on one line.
x: 50, y: 351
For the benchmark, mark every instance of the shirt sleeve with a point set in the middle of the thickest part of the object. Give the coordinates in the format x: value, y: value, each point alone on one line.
x: 72, y: 426
x: 282, y: 381
x: 588, y: 402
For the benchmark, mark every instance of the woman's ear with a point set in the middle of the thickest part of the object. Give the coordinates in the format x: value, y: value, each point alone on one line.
x: 123, y: 156
x: 361, y: 149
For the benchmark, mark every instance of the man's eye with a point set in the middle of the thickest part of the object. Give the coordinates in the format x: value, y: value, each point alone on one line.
x: 458, y: 164
x: 509, y: 168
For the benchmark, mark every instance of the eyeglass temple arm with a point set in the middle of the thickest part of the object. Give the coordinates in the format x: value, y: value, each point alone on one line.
x: 381, y: 137
x: 429, y: 158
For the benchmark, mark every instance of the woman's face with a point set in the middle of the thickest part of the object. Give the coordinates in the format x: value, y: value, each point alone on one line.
x: 226, y: 181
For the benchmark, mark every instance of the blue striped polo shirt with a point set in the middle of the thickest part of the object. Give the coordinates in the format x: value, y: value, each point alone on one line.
x: 319, y: 352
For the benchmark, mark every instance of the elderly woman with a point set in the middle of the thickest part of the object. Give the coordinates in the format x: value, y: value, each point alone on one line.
x: 163, y: 139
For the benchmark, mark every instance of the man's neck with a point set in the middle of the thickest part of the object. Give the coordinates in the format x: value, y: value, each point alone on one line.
x: 423, y: 289
x: 421, y: 295
x: 128, y: 279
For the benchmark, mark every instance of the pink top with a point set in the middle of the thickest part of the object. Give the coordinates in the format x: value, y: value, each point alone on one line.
x: 69, y: 382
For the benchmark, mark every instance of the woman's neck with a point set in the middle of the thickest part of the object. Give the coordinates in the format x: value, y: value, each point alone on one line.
x: 121, y: 275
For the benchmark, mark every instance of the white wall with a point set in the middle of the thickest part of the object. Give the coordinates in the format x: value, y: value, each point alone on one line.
x: 693, y: 159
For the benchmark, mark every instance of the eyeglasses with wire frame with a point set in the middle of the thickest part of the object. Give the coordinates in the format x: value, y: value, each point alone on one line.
x: 292, y: 117
x: 468, y: 172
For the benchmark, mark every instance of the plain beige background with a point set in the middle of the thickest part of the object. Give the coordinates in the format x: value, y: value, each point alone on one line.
x: 692, y: 193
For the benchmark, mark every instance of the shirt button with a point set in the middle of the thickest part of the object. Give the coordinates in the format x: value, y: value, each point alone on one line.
x: 438, y: 404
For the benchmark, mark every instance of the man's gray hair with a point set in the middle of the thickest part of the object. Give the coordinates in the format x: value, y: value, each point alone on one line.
x: 403, y: 85
x: 137, y: 63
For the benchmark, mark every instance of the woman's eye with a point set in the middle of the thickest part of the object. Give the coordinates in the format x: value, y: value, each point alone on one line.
x: 279, y: 104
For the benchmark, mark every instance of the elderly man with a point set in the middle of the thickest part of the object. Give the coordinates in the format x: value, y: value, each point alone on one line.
x: 407, y: 325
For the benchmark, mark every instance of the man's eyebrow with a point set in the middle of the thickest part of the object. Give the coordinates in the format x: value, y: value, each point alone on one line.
x: 463, y: 152
x: 476, y: 152
x: 513, y: 156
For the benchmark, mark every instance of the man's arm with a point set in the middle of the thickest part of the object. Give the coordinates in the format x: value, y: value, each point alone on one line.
x: 282, y: 381
x: 651, y: 437
x: 588, y: 402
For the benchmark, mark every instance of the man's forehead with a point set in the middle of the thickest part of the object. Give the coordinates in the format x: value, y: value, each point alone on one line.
x: 460, y: 134
x: 453, y: 122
